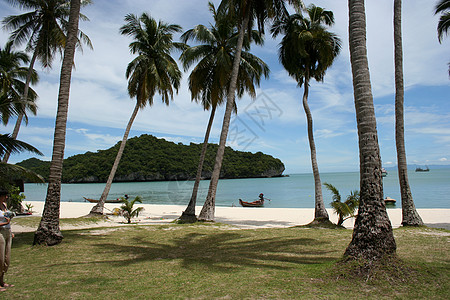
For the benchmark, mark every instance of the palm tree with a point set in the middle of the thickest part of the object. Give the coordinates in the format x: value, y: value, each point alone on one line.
x: 153, y: 70
x: 410, y: 216
x: 209, y: 80
x: 43, y: 28
x: 48, y: 231
x: 346, y: 209
x: 372, y: 234
x: 307, y: 50
x: 127, y: 209
x: 246, y: 13
x: 12, y: 86
x: 443, y: 7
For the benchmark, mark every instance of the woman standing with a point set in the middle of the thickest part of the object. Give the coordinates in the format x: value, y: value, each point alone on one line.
x: 5, y: 239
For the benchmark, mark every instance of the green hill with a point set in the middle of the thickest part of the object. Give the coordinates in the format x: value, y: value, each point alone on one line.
x: 147, y: 158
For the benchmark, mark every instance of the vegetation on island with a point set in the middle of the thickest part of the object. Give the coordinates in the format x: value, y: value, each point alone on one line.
x: 147, y: 158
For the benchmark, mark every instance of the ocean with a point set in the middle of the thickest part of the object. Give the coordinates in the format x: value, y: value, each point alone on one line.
x: 429, y: 189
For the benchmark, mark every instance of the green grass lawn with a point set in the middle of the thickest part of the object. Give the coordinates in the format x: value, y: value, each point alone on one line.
x: 216, y: 262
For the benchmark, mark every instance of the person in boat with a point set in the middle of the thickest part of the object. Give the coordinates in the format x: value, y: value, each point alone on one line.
x: 5, y: 239
x: 261, y: 198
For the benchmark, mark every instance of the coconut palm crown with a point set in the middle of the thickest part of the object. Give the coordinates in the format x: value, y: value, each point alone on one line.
x: 43, y: 28
x: 210, y: 78
x: 307, y: 49
x: 443, y: 8
x: 153, y: 70
x: 12, y: 74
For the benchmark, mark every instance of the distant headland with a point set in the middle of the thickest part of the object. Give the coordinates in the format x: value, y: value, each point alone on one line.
x: 147, y: 158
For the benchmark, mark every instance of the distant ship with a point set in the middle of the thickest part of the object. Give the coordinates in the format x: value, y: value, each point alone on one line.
x: 418, y: 169
x: 383, y: 172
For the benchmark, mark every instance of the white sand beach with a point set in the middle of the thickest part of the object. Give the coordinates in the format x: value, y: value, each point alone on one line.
x: 238, y: 217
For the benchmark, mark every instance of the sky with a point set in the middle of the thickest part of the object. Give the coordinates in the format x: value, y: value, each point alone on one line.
x: 274, y: 122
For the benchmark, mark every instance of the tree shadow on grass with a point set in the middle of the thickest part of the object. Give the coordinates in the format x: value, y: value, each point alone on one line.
x: 223, y: 251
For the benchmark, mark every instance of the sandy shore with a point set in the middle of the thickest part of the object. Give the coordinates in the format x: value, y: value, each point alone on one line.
x: 237, y: 216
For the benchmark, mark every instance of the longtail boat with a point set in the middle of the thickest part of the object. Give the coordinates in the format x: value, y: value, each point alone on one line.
x: 257, y: 203
x: 389, y: 200
x: 107, y: 201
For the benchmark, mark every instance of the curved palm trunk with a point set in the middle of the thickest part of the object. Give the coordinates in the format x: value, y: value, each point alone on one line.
x: 48, y: 231
x: 24, y: 98
x: 320, y: 213
x: 208, y: 209
x: 372, y: 234
x: 410, y: 217
x: 189, y: 214
x: 98, y: 208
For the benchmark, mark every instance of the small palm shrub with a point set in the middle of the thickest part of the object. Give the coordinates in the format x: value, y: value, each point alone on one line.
x: 127, y: 210
x: 15, y: 199
x: 344, y: 210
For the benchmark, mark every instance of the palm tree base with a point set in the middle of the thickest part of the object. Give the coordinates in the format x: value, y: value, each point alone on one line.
x: 405, y: 224
x: 47, y: 237
x: 96, y: 210
x: 187, y: 218
x: 322, y: 223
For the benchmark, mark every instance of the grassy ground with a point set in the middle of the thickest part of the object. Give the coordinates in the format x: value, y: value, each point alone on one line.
x: 213, y: 261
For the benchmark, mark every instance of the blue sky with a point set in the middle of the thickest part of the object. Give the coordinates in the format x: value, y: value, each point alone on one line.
x: 275, y: 122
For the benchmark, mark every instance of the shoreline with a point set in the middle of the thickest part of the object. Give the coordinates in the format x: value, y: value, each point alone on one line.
x: 239, y: 217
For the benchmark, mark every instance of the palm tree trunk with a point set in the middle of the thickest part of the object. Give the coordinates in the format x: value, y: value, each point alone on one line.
x: 320, y: 213
x: 24, y: 98
x: 189, y: 214
x: 208, y: 209
x: 48, y: 231
x: 372, y: 234
x: 410, y: 217
x: 98, y: 208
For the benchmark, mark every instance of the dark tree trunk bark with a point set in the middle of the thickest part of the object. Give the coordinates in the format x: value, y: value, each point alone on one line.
x: 189, y: 214
x: 372, y: 235
x: 48, y: 231
x: 208, y: 209
x: 410, y: 217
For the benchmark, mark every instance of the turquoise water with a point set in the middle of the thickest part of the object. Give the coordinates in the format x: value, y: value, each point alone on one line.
x: 430, y: 190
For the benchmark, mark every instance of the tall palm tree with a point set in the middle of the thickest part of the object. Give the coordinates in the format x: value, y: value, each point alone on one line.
x: 443, y: 7
x: 307, y: 50
x: 372, y: 234
x: 209, y: 80
x: 410, y: 216
x: 43, y: 28
x: 153, y: 70
x: 246, y: 12
x: 48, y: 231
x: 12, y: 74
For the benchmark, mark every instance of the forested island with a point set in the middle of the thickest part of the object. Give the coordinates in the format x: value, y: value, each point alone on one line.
x: 147, y: 158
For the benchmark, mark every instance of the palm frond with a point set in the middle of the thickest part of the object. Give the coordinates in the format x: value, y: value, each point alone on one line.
x: 336, y: 195
x: 9, y: 172
x: 8, y: 144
